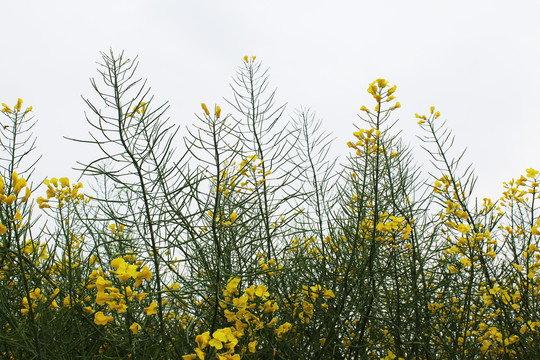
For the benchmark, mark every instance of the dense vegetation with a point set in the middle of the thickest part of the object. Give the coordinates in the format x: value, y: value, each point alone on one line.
x: 246, y: 241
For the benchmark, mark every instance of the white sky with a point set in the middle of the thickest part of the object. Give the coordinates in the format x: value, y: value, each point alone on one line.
x: 477, y: 61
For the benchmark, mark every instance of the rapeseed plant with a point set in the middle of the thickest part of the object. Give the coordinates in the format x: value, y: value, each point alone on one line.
x: 253, y: 245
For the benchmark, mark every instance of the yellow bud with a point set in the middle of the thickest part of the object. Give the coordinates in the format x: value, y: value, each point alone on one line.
x: 18, y: 105
x: 382, y: 83
x: 246, y: 58
x: 27, y: 195
x: 218, y: 111
x: 203, y: 105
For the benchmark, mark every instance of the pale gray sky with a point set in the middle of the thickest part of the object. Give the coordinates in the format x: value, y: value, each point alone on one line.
x: 477, y: 61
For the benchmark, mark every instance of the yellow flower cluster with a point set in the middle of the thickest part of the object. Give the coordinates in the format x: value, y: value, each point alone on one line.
x: 423, y: 118
x: 366, y: 141
x: 17, y: 108
x: 62, y: 191
x: 250, y: 313
x: 117, y: 299
x: 381, y: 92
x: 10, y: 196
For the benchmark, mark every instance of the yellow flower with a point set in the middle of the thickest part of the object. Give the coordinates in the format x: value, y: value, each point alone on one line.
x: 453, y: 269
x: 252, y: 346
x: 201, y: 354
x: 328, y: 294
x: 102, y: 319
x: 10, y: 199
x: 272, y: 322
x: 233, y: 216
x: 151, y: 310
x: 363, y: 108
x: 18, y: 184
x: 18, y: 216
x: 135, y: 328
x: 382, y: 83
x: 102, y: 284
x: 241, y: 302
x: 189, y: 357
x: 261, y: 292
x: 218, y: 111
x: 282, y: 329
x: 18, y: 105
x: 232, y: 285
x: 64, y: 182
x: 26, y: 195
x: 466, y: 262
x: 202, y: 339
x: 6, y: 109
x: 145, y: 274
x: 42, y: 202
x: 102, y: 297
x: 246, y: 59
x: 203, y: 105
x: 3, y: 229
x: 392, y: 90
x: 531, y: 173
x: 115, y: 263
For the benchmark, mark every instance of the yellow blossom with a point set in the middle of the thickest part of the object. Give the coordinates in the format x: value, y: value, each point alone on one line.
x: 145, y: 274
x: 252, y: 346
x: 102, y: 284
x: 18, y: 105
x: 6, y: 109
x: 202, y: 339
x: 64, y: 182
x: 10, y: 199
x: 135, y: 328
x: 102, y: 319
x: 531, y: 173
x: 282, y: 329
x: 218, y: 111
x: 203, y: 105
x: 466, y: 262
x: 26, y: 195
x: 18, y: 216
x: 151, y: 310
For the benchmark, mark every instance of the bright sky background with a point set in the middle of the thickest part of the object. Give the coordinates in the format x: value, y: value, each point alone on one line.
x: 477, y: 61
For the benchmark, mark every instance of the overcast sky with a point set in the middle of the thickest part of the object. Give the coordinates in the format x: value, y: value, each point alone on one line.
x: 478, y: 62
